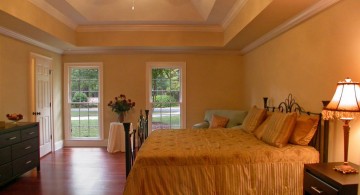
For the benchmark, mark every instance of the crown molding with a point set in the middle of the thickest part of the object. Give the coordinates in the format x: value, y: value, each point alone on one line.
x: 120, y: 27
x: 316, y: 8
x: 54, y: 12
x: 233, y: 13
x: 144, y: 50
x: 28, y: 40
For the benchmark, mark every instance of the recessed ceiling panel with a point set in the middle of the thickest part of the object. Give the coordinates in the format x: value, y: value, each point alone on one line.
x: 144, y: 11
x: 204, y: 7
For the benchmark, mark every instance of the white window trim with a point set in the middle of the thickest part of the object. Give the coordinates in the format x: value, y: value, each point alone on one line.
x: 69, y: 141
x: 182, y: 67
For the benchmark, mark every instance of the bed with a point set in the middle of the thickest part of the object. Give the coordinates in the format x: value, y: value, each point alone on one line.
x: 224, y: 161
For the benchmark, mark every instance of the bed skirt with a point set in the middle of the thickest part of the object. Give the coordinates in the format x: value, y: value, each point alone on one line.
x: 270, y: 178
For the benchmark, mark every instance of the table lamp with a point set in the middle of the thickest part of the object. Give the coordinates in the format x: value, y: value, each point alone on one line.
x: 345, y: 105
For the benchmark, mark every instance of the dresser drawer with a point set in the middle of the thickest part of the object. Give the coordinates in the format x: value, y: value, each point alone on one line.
x: 5, y: 172
x: 9, y: 138
x: 29, y: 133
x: 314, y: 185
x: 5, y: 155
x: 26, y: 147
x: 25, y: 163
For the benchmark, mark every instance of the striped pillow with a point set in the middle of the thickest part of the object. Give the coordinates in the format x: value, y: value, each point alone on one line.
x: 259, y: 131
x: 253, y: 119
x: 279, y: 129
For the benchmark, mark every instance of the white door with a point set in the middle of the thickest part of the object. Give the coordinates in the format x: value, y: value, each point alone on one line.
x: 43, y: 91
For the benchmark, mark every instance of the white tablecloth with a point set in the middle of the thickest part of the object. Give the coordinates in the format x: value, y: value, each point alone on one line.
x: 116, y: 139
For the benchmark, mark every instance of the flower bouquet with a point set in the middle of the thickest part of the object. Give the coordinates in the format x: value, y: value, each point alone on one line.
x: 121, y: 105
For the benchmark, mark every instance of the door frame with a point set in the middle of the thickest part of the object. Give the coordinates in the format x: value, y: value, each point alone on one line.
x: 32, y: 98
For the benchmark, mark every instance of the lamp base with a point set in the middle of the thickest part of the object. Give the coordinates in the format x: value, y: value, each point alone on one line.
x: 346, y: 169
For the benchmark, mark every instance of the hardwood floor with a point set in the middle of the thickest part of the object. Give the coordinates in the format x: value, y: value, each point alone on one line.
x: 84, y: 171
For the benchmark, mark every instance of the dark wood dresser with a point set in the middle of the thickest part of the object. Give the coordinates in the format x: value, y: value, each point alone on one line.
x: 19, y: 150
x: 321, y: 178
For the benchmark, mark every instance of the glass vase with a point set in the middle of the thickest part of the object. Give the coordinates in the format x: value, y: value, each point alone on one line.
x: 121, y: 117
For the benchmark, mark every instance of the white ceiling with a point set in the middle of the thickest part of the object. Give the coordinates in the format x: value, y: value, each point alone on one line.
x: 77, y: 13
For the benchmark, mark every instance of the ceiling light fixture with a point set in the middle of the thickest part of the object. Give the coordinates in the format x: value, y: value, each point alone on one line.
x: 133, y: 5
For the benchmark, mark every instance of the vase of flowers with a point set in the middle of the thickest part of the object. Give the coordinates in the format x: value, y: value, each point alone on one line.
x: 120, y: 106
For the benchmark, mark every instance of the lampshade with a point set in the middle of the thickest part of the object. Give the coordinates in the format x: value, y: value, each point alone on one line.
x: 345, y: 105
x: 346, y: 101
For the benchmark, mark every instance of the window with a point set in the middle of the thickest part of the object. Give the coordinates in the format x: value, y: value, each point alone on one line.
x: 166, y: 94
x: 83, y: 102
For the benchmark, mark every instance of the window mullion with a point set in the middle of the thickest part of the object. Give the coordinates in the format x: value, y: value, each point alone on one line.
x: 84, y: 84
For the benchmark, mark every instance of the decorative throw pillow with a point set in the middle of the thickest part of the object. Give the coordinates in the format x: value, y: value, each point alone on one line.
x: 259, y: 131
x: 253, y: 119
x: 279, y: 129
x: 304, y: 130
x: 218, y: 121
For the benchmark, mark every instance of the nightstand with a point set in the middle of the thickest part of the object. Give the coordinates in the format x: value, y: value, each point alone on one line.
x: 322, y: 179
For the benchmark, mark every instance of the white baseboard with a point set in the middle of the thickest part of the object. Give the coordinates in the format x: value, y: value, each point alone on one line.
x: 86, y: 143
x: 59, y: 145
x: 80, y: 143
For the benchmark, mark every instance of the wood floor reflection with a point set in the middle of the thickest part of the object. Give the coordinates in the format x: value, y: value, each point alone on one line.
x: 85, y: 171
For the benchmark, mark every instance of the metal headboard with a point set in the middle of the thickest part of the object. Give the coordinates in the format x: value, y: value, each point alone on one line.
x: 320, y: 141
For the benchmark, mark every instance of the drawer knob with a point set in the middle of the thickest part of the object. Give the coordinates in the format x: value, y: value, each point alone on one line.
x: 28, y: 162
x: 316, y: 190
x: 12, y: 138
x: 27, y: 147
x: 31, y: 133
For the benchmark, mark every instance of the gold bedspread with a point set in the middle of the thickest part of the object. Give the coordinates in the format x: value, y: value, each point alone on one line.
x: 216, y: 161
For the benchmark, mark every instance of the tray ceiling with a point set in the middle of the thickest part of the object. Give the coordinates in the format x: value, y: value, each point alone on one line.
x: 150, y: 25
x: 141, y: 12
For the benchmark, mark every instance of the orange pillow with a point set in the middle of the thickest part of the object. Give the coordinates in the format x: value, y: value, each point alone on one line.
x: 218, y: 121
x: 305, y: 129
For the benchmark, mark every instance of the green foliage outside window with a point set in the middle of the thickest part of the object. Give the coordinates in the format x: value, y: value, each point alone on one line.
x: 79, y: 97
x: 162, y: 101
x: 165, y: 87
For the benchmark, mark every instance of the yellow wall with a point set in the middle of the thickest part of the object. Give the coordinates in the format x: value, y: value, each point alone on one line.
x: 308, y: 61
x: 213, y: 81
x: 15, y: 77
